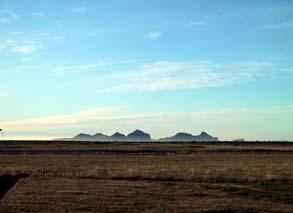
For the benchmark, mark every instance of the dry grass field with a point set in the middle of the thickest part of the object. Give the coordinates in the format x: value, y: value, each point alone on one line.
x: 145, y: 177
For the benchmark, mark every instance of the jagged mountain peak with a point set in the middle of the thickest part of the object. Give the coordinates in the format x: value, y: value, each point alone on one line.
x: 138, y: 135
x: 182, y: 136
x: 118, y: 134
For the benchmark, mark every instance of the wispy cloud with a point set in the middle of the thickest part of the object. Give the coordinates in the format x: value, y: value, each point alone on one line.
x: 159, y: 124
x: 27, y: 47
x: 26, y: 59
x: 28, y: 42
x: 58, y: 38
x: 288, y: 24
x: 80, y: 10
x: 8, y: 43
x: 66, y: 69
x: 22, y: 47
x: 80, y: 68
x: 185, y: 75
x: 153, y: 35
x: 39, y: 14
x: 8, y: 16
x: 43, y: 35
x: 57, y: 121
x: 86, y: 119
x: 196, y: 24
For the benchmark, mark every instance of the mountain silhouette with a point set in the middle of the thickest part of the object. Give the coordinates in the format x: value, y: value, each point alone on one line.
x: 138, y: 135
x: 83, y: 137
x: 101, y: 137
x: 205, y: 137
x: 182, y: 136
x: 88, y: 137
x: 118, y: 137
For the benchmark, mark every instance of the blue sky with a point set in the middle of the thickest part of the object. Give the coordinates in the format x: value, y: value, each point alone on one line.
x: 224, y: 67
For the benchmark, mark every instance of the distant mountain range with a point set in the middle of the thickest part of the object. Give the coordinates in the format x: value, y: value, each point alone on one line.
x: 182, y: 136
x: 139, y: 135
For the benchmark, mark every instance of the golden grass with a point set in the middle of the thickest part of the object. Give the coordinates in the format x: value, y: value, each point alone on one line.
x: 235, y: 182
x: 241, y: 168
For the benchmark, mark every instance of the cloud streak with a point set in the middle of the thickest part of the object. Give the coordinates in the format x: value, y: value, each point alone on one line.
x: 196, y: 24
x: 80, y: 68
x: 283, y: 25
x: 153, y: 35
x: 162, y: 75
x: 87, y: 120
x: 159, y: 124
x: 25, y: 47
x: 58, y: 121
x: 39, y: 14
x: 8, y: 16
x: 80, y: 10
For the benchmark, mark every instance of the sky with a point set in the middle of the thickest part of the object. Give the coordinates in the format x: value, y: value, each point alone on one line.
x: 163, y: 66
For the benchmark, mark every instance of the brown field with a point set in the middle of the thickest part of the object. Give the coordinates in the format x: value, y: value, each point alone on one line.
x: 56, y: 176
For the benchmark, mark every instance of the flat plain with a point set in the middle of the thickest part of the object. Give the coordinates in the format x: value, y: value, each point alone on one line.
x: 56, y: 176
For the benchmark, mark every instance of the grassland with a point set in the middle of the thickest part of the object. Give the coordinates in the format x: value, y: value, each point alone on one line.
x: 145, y: 177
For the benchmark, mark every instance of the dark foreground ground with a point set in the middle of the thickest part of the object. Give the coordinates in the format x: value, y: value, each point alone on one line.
x: 145, y: 177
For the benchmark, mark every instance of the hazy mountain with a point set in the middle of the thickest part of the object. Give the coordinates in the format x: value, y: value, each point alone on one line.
x: 101, y: 137
x: 181, y: 136
x: 205, y: 137
x: 88, y: 137
x: 118, y: 137
x: 83, y: 137
x: 189, y: 137
x: 138, y: 135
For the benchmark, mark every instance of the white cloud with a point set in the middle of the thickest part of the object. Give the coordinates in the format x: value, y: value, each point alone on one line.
x: 39, y: 14
x: 43, y: 35
x: 196, y: 24
x: 27, y: 47
x: 28, y: 42
x: 106, y: 64
x: 8, y: 43
x: 88, y: 120
x: 58, y: 38
x: 57, y: 121
x: 16, y: 33
x: 80, y: 68
x: 8, y: 16
x: 185, y: 75
x: 277, y: 26
x: 80, y: 10
x: 153, y: 35
x: 241, y: 122
x: 26, y: 59
x: 22, y: 47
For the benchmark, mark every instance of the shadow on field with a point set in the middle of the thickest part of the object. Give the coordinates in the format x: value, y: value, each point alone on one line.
x: 8, y: 181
